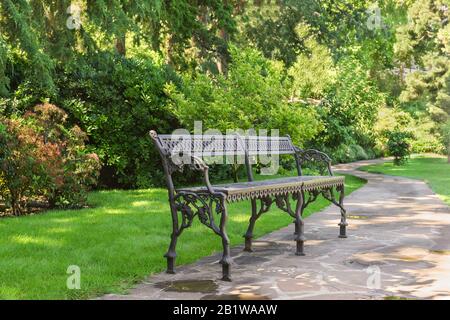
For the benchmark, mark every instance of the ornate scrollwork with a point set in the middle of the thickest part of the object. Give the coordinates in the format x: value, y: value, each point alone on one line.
x: 177, y: 162
x: 266, y: 203
x: 197, y: 164
x: 282, y: 202
x: 311, y: 197
x: 172, y: 166
x: 201, y: 205
x: 320, y: 161
x: 328, y: 193
x: 187, y: 215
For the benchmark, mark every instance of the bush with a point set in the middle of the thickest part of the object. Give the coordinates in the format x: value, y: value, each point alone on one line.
x: 348, y: 153
x: 117, y: 102
x: 349, y: 110
x: 19, y: 164
x: 254, y: 95
x: 42, y: 161
x: 398, y: 145
x: 426, y: 137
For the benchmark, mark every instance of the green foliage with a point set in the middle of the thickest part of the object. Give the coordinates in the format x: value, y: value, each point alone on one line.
x: 336, y: 24
x: 41, y: 160
x: 398, y: 145
x: 350, y: 109
x: 348, y: 153
x: 426, y: 137
x: 423, y: 44
x: 4, y: 80
x: 41, y: 31
x: 16, y: 27
x: 446, y: 137
x: 312, y: 74
x: 254, y: 95
x: 116, y: 104
x: 419, y: 35
x: 141, y: 65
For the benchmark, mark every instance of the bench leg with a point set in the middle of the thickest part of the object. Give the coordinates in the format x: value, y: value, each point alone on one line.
x: 226, y: 258
x: 249, y: 234
x: 343, y: 223
x: 171, y: 252
x: 299, y: 225
x: 170, y: 262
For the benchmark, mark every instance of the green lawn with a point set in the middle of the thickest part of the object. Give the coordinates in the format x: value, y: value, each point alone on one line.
x: 116, y: 243
x: 432, y: 169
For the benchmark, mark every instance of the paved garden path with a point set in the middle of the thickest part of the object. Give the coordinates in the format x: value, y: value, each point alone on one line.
x: 398, y: 246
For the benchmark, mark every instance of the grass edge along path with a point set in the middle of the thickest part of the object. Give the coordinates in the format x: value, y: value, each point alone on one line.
x: 430, y: 168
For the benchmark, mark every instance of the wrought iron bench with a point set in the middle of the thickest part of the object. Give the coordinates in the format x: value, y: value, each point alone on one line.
x: 207, y: 201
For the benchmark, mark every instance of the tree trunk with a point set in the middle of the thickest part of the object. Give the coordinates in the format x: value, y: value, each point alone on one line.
x: 15, y: 205
x: 222, y: 63
x: 170, y: 51
x: 120, y: 45
x: 239, y: 7
x: 222, y: 59
x: 198, y: 41
x: 234, y: 169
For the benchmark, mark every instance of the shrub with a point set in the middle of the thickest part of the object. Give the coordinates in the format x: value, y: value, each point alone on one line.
x: 360, y: 153
x: 117, y: 102
x: 19, y: 164
x: 425, y: 139
x: 348, y: 153
x: 254, y: 95
x: 398, y: 145
x: 43, y: 161
x: 313, y: 73
x: 350, y: 108
x: 426, y: 136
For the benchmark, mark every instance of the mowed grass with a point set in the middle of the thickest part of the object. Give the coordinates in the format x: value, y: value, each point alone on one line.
x: 116, y: 243
x: 432, y: 169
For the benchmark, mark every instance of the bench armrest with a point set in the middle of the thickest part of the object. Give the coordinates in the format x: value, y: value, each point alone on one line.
x: 195, y: 163
x: 312, y: 155
x: 199, y: 165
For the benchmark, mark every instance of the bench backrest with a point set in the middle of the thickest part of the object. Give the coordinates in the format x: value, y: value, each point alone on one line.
x: 199, y: 146
x: 223, y: 145
x: 263, y: 145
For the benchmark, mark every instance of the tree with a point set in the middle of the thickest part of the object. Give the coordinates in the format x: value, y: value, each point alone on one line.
x: 43, y: 35
x: 254, y: 95
x: 334, y: 22
x: 424, y: 45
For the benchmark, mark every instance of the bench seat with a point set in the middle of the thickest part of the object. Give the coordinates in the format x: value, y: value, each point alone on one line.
x: 271, y: 187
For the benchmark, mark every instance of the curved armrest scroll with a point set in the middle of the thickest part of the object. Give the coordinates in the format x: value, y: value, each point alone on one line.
x: 199, y: 165
x: 312, y: 155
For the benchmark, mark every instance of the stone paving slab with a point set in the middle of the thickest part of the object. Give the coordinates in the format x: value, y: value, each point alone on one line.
x: 397, y: 246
